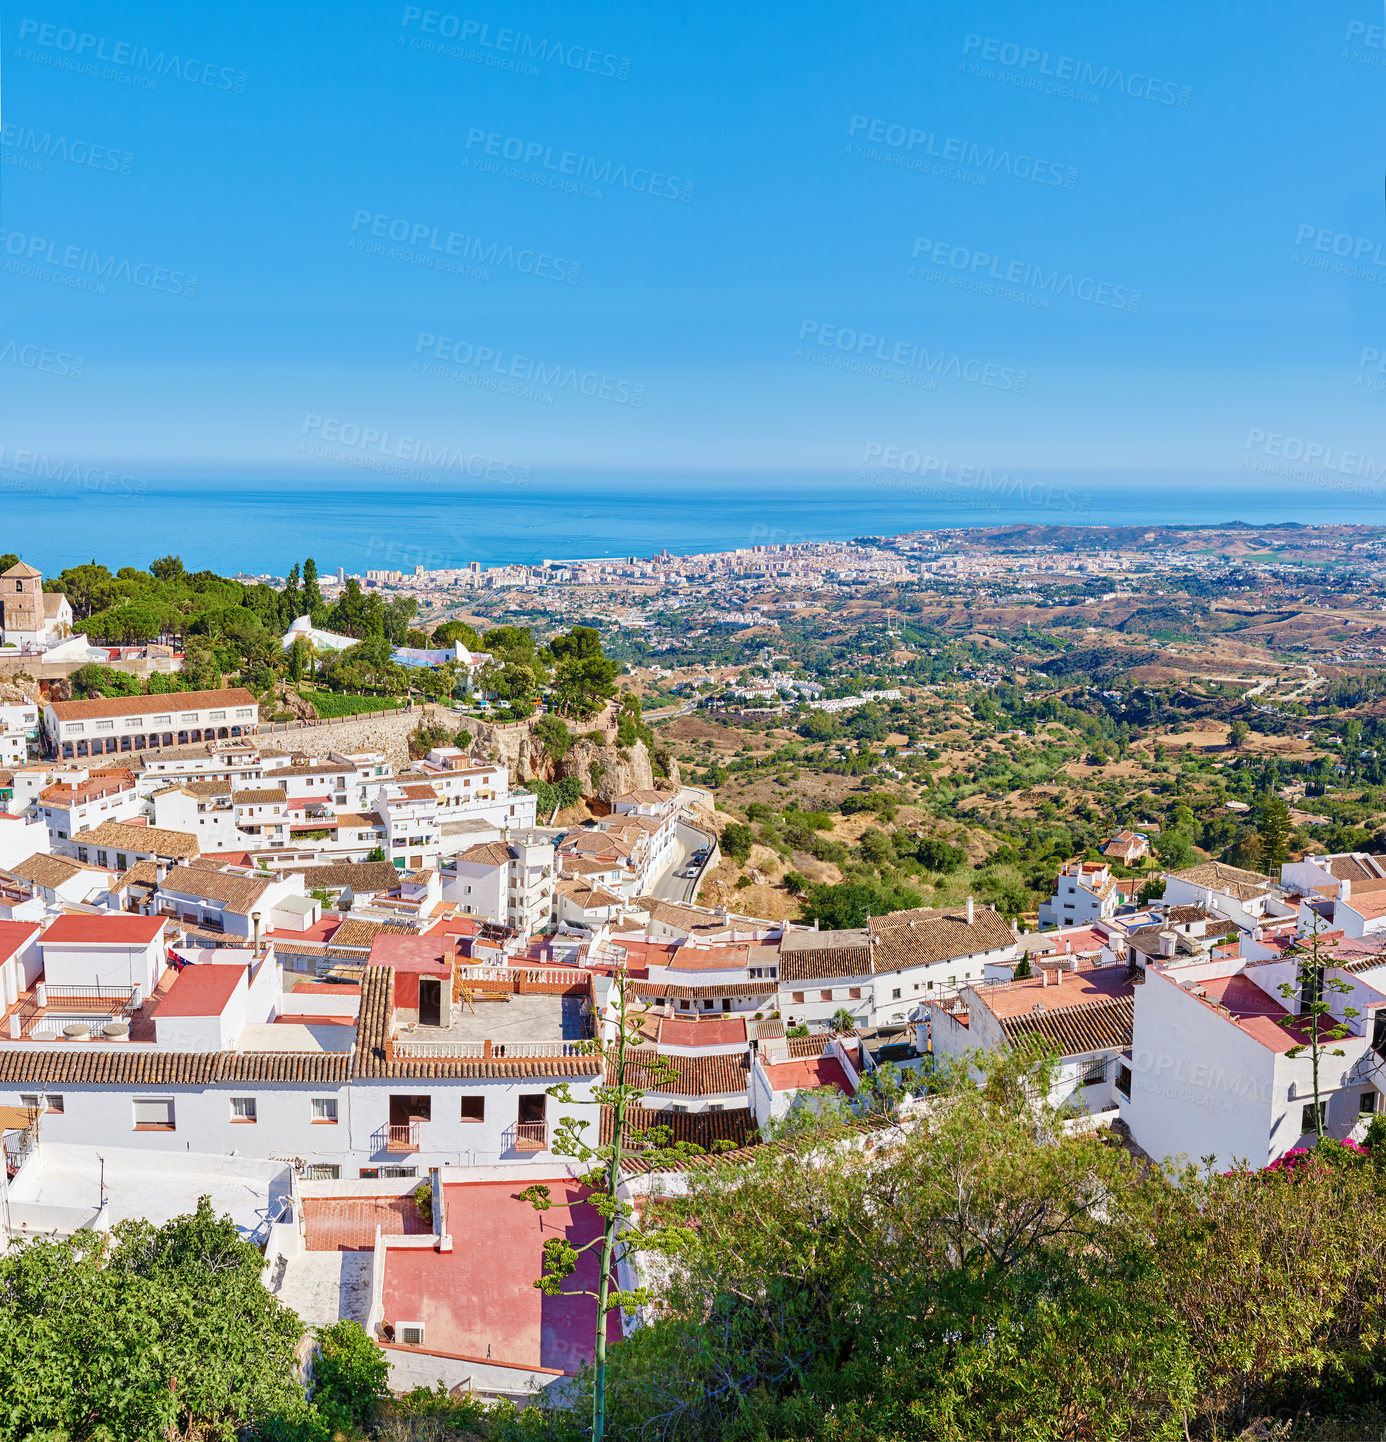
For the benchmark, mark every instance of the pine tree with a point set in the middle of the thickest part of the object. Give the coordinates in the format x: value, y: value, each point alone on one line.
x: 1273, y: 828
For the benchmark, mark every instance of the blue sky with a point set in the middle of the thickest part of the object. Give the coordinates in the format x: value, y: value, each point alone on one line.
x: 1216, y: 159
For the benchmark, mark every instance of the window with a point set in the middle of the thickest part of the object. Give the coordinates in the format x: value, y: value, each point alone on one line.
x: 678, y: 1107
x: 473, y: 1109
x: 716, y: 1106
x: 895, y: 994
x: 163, y: 720
x: 1123, y: 1080
x: 105, y: 725
x: 828, y: 996
x: 242, y: 1109
x: 154, y: 1114
x: 322, y: 1172
x: 216, y: 715
x: 798, y: 998
x: 325, y: 1109
x: 390, y: 1172
x: 1095, y: 1072
x: 854, y: 993
x: 1307, y: 1120
x: 1366, y: 1104
x: 54, y: 1102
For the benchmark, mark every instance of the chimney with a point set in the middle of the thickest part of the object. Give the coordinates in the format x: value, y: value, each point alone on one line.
x: 1344, y: 889
x: 1044, y: 977
x: 255, y: 934
x: 969, y: 911
x: 160, y: 870
x: 1073, y: 964
x: 1058, y: 976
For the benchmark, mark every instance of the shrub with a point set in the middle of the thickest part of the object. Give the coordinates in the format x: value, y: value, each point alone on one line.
x: 349, y: 1375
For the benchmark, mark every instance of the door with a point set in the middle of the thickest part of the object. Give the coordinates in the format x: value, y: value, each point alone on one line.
x: 430, y: 1001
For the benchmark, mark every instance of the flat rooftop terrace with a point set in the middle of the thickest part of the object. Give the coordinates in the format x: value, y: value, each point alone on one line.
x: 479, y: 1300
x: 505, y: 1018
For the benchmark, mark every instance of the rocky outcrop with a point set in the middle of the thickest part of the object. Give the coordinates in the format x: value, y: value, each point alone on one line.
x: 604, y: 769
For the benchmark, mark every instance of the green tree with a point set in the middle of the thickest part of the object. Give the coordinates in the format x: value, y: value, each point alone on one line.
x: 349, y: 1375
x: 147, y: 1334
x: 848, y: 904
x: 1237, y: 734
x: 1273, y: 831
x: 312, y: 592
x: 1313, y: 991
x: 167, y: 568
x: 621, y: 1234
x: 736, y: 841
x: 450, y: 632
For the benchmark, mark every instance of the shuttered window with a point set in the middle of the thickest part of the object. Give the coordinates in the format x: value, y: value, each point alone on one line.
x: 154, y: 1113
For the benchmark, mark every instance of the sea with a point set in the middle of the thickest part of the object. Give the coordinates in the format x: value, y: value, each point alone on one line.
x: 261, y: 525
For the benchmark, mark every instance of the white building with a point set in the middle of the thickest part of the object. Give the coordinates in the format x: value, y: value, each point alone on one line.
x: 880, y: 975
x: 1245, y: 898
x: 1210, y: 1070
x: 1084, y: 1010
x: 108, y: 725
x: 511, y: 882
x: 1086, y: 891
x: 80, y: 798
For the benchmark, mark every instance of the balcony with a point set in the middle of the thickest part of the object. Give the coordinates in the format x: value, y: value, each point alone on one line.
x: 531, y: 1136
x: 401, y: 1138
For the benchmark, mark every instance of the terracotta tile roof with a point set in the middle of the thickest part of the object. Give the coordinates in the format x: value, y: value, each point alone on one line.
x: 238, y: 892
x: 361, y: 876
x: 813, y: 955
x: 53, y: 871
x: 259, y: 796
x: 487, y: 853
x: 656, y: 989
x: 1077, y: 1029
x: 1349, y: 868
x: 700, y: 1129
x: 693, y: 1076
x: 587, y: 897
x: 584, y: 865
x: 1229, y: 880
x: 919, y: 938
x: 156, y: 839
x: 82, y: 1065
x: 207, y: 789
x: 171, y: 701
x: 357, y: 931
x: 814, y: 1043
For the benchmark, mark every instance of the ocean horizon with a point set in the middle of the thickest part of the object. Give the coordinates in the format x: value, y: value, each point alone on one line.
x: 262, y: 524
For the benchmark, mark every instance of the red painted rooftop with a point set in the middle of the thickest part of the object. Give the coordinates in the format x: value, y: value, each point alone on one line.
x: 111, y: 929
x: 201, y: 990
x: 14, y: 935
x: 481, y: 1298
x: 413, y: 953
x: 673, y: 1032
x: 816, y: 1071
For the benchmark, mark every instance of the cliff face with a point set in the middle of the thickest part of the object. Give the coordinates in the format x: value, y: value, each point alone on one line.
x: 603, y: 769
